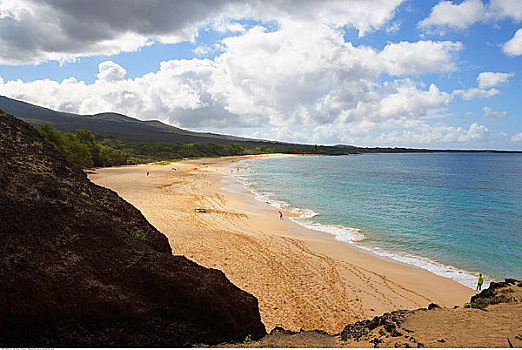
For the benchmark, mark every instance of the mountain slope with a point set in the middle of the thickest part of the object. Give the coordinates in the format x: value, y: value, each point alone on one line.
x: 79, y: 266
x: 110, y: 124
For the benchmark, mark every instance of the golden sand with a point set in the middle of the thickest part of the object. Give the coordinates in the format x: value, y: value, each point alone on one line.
x: 302, y: 279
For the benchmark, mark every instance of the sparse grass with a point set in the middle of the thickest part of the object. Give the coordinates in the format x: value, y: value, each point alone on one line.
x: 137, y: 235
x: 164, y: 162
x: 482, y: 303
x: 248, y: 338
x: 13, y: 159
x: 43, y: 173
x: 64, y: 190
x: 85, y: 201
x: 38, y: 145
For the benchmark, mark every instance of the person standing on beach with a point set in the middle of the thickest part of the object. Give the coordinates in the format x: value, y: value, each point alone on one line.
x: 280, y: 215
x: 479, y: 282
x: 147, y: 173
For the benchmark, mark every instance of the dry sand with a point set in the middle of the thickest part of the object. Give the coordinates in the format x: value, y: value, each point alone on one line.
x: 303, y: 279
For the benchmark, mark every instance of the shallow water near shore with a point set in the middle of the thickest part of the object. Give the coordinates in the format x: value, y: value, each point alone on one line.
x: 454, y: 214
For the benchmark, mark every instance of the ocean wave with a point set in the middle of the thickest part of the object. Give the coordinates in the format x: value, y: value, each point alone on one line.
x: 341, y: 233
x: 463, y: 277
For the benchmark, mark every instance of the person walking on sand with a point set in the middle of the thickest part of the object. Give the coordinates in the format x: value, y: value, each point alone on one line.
x: 280, y: 215
x: 479, y: 282
x: 147, y: 173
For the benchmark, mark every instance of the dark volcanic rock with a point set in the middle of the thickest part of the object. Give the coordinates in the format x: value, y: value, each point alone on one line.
x: 433, y: 306
x: 79, y: 266
x: 491, y: 291
x: 361, y: 329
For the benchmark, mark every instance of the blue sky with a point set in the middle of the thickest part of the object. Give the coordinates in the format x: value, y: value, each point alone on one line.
x: 436, y: 74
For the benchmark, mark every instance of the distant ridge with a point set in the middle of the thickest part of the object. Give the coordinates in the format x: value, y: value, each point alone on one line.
x: 132, y: 130
x: 117, y: 125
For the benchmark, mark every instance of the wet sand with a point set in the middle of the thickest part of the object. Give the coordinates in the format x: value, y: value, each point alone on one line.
x: 303, y: 279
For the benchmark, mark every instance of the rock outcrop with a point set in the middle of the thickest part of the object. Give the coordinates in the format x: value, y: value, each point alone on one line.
x: 468, y: 326
x: 79, y: 266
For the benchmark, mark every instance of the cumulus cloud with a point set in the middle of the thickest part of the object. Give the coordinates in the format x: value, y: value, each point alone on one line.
x: 514, y: 46
x: 457, y: 16
x: 448, y: 14
x: 499, y: 9
x: 404, y: 132
x: 265, y: 78
x: 492, y: 79
x: 302, y: 74
x: 110, y: 71
x: 34, y: 31
x: 420, y: 57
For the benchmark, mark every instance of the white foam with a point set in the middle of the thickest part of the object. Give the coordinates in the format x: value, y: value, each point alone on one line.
x: 354, y: 236
x: 463, y: 277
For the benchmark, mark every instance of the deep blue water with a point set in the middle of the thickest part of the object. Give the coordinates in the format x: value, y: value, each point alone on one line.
x: 456, y: 214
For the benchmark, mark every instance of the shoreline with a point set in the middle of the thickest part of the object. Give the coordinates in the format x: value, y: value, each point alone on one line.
x: 302, y: 278
x: 353, y: 236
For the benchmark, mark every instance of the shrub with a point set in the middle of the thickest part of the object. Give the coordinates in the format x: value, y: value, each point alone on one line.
x: 138, y: 235
x: 482, y: 303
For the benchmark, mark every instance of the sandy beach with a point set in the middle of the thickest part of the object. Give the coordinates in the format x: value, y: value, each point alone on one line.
x: 303, y: 279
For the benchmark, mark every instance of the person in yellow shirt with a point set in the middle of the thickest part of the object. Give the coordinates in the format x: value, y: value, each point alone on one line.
x: 479, y: 282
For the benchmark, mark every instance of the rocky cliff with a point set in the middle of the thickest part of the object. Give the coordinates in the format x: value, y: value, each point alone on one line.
x: 79, y: 266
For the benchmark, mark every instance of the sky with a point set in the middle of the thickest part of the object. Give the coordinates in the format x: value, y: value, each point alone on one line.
x: 389, y: 73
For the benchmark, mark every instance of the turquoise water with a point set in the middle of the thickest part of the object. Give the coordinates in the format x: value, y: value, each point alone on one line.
x: 454, y: 214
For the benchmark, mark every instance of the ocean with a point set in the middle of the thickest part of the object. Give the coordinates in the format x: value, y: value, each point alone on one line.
x: 455, y: 214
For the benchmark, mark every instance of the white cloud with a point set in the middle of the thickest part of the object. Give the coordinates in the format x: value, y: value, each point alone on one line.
x: 301, y: 75
x: 457, y: 16
x: 514, y: 46
x: 34, y: 31
x: 492, y: 115
x: 448, y: 14
x: 499, y: 9
x: 421, y: 57
x: 404, y: 132
x: 492, y: 79
x: 517, y: 137
x: 110, y: 71
x: 469, y: 94
x: 437, y: 134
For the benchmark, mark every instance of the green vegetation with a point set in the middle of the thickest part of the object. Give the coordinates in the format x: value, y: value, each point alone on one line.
x: 38, y: 145
x: 43, y: 173
x: 248, y: 338
x: 82, y: 149
x: 164, y: 162
x: 482, y: 303
x: 138, y: 235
